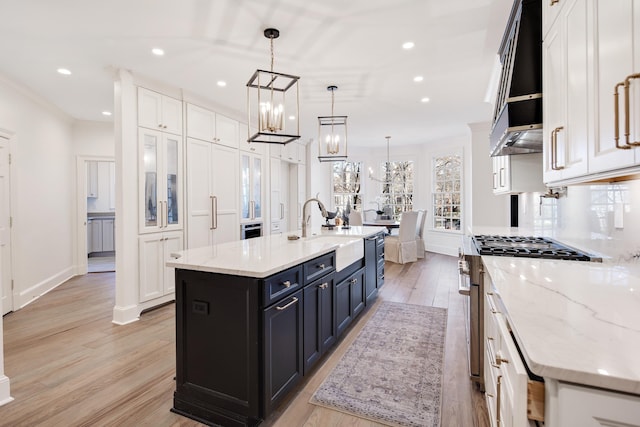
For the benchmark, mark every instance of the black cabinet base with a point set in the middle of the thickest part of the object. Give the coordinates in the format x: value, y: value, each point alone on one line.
x: 206, y: 415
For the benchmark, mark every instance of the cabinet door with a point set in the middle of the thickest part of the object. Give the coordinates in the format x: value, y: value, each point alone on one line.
x: 96, y: 235
x: 201, y: 123
x: 150, y: 257
x: 244, y: 145
x: 173, y: 242
x: 226, y: 131
x: 613, y: 57
x: 371, y: 269
x: 290, y: 152
x: 171, y: 115
x: 200, y: 202
x: 277, y: 207
x: 108, y: 240
x: 312, y: 346
x: 566, y: 101
x: 342, y: 306
x: 357, y: 292
x: 283, y: 364
x: 149, y: 109
x: 224, y: 172
x: 92, y: 179
x: 172, y: 182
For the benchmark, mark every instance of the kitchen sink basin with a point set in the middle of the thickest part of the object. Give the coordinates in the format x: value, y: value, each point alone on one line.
x: 348, y: 249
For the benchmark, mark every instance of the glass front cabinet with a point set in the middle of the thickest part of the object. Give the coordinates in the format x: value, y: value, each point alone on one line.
x: 251, y: 187
x: 160, y: 156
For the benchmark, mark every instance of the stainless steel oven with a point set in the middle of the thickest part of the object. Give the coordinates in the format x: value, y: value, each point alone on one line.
x: 247, y: 231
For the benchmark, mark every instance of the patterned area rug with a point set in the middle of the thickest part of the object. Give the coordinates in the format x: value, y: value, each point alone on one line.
x: 392, y: 373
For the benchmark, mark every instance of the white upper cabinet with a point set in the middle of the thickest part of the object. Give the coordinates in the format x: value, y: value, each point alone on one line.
x: 160, y: 112
x: 565, y: 88
x: 251, y: 187
x: 590, y: 49
x: 244, y: 145
x: 207, y: 125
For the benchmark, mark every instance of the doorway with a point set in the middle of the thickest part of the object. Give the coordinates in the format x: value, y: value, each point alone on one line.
x: 96, y: 214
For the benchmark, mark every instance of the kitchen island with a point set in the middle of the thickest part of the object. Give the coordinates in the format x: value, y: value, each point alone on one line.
x: 253, y: 317
x: 575, y: 325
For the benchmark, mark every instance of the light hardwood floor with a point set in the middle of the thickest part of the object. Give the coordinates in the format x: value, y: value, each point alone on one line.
x: 70, y: 366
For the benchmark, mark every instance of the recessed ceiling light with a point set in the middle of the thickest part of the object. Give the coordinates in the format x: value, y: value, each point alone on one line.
x: 408, y: 45
x: 157, y: 51
x: 106, y: 113
x: 418, y: 79
x: 64, y: 71
x: 425, y: 100
x: 222, y: 83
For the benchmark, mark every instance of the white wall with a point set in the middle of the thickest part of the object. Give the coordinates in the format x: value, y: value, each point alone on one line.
x: 93, y: 139
x: 43, y: 190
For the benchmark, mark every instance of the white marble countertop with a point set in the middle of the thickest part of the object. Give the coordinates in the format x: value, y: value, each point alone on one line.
x: 574, y: 321
x: 266, y: 255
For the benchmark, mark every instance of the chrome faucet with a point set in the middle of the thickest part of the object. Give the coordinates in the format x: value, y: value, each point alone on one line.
x: 305, y: 219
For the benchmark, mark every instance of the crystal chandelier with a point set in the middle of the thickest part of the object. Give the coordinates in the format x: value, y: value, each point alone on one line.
x: 387, y: 170
x: 332, y: 134
x: 275, y: 94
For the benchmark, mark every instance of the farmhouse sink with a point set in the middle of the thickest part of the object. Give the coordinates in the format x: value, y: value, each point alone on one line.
x: 349, y: 249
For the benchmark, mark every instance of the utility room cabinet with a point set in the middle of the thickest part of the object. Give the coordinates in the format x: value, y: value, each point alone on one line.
x: 518, y: 173
x: 159, y: 112
x: 92, y: 179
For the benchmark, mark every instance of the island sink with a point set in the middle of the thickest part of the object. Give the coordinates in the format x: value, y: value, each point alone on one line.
x: 349, y: 250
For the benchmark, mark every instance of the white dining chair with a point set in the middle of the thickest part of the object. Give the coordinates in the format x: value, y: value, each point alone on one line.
x: 402, y: 248
x: 420, y: 248
x: 355, y: 218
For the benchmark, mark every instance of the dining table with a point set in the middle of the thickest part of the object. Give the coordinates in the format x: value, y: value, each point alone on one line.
x: 389, y: 223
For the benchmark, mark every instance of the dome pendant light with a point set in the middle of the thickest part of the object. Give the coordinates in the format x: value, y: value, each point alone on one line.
x: 332, y: 134
x: 275, y: 95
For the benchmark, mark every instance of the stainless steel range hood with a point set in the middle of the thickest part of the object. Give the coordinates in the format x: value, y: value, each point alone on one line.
x: 517, y: 122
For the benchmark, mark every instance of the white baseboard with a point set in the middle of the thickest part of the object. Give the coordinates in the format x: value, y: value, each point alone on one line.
x: 36, y: 291
x: 444, y: 250
x: 5, y: 396
x: 126, y: 315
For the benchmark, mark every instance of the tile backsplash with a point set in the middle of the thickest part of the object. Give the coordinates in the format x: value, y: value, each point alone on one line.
x: 607, y: 216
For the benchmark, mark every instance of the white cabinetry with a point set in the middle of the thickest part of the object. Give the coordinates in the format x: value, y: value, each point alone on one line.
x: 575, y: 406
x: 160, y: 166
x: 212, y: 202
x: 160, y: 112
x: 100, y: 235
x: 157, y: 280
x: 92, y: 179
x: 207, y: 125
x: 251, y: 187
x: 589, y: 47
x: 244, y: 145
x: 512, y: 398
x: 517, y: 173
x: 277, y: 217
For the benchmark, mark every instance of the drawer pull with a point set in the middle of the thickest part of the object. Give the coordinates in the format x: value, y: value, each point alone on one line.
x: 354, y: 280
x: 293, y: 301
x: 286, y: 283
x: 498, y: 389
x: 324, y: 286
x: 321, y: 266
x: 500, y: 360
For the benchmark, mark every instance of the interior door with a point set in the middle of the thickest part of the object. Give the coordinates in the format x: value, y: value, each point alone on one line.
x: 5, y: 228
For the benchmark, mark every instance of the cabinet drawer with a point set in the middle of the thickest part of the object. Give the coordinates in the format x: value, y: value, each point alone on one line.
x: 318, y: 267
x: 282, y: 284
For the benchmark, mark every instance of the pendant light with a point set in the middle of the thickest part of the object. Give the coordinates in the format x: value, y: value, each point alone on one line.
x: 387, y: 175
x: 332, y: 134
x: 274, y: 96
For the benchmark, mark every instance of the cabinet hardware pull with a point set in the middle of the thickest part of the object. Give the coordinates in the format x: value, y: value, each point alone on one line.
x: 554, y: 149
x: 321, y: 266
x: 502, y: 177
x: 281, y: 210
x: 286, y: 283
x: 495, y: 181
x: 324, y: 286
x: 627, y: 127
x: 166, y: 214
x: 500, y: 360
x: 354, y: 280
x: 253, y: 210
x: 293, y: 301
x: 212, y: 212
x: 498, y: 390
x: 554, y: 2
x: 616, y: 117
x: 215, y: 212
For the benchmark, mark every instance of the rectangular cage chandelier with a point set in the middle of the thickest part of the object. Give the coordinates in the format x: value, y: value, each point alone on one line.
x: 332, y: 135
x: 273, y: 101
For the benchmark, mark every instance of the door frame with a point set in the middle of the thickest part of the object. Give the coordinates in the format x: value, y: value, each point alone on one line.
x: 81, y: 260
x: 10, y: 137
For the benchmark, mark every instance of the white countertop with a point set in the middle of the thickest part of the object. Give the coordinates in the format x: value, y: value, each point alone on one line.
x: 574, y: 321
x: 267, y: 255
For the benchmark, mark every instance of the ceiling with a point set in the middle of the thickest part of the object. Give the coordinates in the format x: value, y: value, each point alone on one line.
x: 355, y: 45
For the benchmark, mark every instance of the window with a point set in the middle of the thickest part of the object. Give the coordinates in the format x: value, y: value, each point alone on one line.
x: 346, y: 186
x: 397, y: 189
x: 446, y: 192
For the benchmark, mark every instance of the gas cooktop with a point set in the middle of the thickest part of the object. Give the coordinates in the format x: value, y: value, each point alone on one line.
x: 530, y: 247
